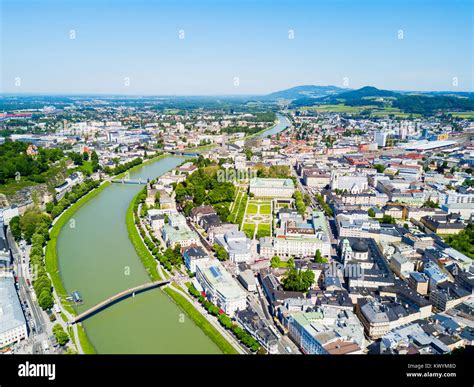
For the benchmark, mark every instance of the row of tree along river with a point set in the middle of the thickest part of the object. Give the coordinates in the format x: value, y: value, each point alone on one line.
x: 97, y: 259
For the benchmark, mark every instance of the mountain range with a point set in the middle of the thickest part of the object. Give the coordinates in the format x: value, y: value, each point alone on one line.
x: 305, y: 91
x: 407, y: 101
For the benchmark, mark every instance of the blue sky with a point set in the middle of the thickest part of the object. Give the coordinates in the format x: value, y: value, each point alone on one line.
x: 233, y: 47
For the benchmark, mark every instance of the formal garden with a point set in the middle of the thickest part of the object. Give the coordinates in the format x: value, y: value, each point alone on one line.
x: 257, y: 222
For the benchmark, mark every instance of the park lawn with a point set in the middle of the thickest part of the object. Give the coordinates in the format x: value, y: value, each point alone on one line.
x: 86, y: 168
x: 264, y: 230
x: 235, y: 204
x: 265, y: 209
x: 70, y: 332
x: 241, y: 211
x: 201, y: 322
x: 86, y: 345
x: 239, y: 201
x: 249, y: 229
x: 252, y: 209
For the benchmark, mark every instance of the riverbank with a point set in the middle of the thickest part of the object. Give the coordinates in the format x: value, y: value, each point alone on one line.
x: 136, y: 167
x: 145, y: 256
x: 97, y: 258
x: 51, y: 257
x: 150, y: 265
x: 201, y: 322
x: 211, y: 146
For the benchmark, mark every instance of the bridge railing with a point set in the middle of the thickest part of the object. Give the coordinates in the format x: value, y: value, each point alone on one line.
x: 118, y: 296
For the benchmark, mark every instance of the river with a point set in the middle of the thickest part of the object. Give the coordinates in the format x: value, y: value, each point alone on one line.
x: 281, y: 125
x: 97, y: 259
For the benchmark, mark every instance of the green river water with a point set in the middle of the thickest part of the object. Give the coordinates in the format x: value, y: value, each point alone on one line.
x: 97, y: 259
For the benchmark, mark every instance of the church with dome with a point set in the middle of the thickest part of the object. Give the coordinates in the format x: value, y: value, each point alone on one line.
x: 356, y: 250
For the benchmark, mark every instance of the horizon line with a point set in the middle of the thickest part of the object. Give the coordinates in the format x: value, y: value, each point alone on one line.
x: 224, y: 95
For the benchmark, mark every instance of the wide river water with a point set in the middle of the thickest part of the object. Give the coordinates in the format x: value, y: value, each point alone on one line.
x: 97, y: 259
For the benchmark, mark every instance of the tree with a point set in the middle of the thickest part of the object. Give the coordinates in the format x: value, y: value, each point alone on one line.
x: 61, y: 336
x: 222, y: 211
x: 379, y: 167
x: 49, y: 207
x: 430, y: 204
x: 299, y: 203
x: 221, y: 253
x: 275, y: 261
x: 15, y: 228
x: 307, y: 199
x: 45, y: 299
x: 30, y: 221
x: 371, y: 212
x: 470, y: 182
x: 388, y: 219
x: 94, y: 157
x: 248, y: 153
x: 327, y: 210
x: 318, y: 258
x: 157, y: 197
x: 298, y: 280
x: 77, y: 158
x: 464, y: 241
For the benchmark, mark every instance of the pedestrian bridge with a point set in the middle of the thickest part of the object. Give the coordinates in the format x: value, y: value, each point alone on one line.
x: 183, y: 153
x: 129, y: 181
x: 117, y: 298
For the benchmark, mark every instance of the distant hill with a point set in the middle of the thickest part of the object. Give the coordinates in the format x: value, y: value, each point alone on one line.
x: 305, y: 91
x: 421, y: 102
x: 367, y: 92
x: 363, y: 96
x: 428, y: 104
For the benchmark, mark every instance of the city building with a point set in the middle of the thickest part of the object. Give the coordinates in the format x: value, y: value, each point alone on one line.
x: 395, y: 306
x: 248, y: 281
x: 418, y: 282
x: 297, y: 238
x: 356, y: 225
x: 182, y: 236
x: 352, y: 183
x: 220, y: 288
x: 237, y: 246
x: 447, y: 295
x: 401, y: 265
x: 192, y: 255
x: 5, y: 253
x: 412, y: 339
x: 315, y: 178
x: 198, y: 212
x: 13, y: 327
x: 434, y: 273
x: 257, y: 327
x: 272, y: 188
x: 443, y: 224
x: 327, y: 330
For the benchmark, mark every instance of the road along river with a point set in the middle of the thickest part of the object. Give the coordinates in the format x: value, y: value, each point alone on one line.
x: 96, y: 258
